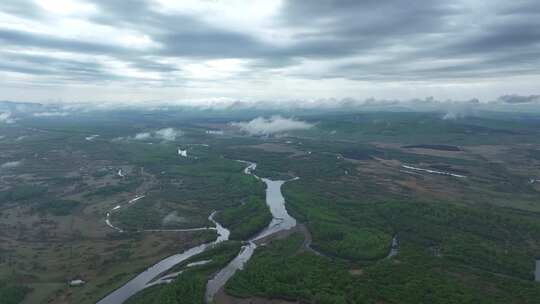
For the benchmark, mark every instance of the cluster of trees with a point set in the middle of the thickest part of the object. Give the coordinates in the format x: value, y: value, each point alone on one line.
x: 189, y: 287
x: 195, y: 187
x: 58, y: 207
x: 128, y: 186
x: 21, y: 193
x: 246, y: 219
x: 139, y: 216
x: 350, y: 242
x: 214, y: 182
x: 280, y: 271
x: 494, y: 239
x: 283, y: 166
x: 12, y: 294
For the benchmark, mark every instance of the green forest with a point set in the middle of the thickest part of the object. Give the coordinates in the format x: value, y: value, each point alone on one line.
x: 245, y: 220
x: 190, y: 285
x: 283, y: 270
x: 12, y: 294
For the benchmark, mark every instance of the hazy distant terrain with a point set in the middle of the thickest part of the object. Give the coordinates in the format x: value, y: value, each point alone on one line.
x: 391, y: 207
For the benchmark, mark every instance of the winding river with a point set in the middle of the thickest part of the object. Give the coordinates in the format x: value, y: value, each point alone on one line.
x: 132, y: 201
x: 281, y: 220
x: 144, y: 279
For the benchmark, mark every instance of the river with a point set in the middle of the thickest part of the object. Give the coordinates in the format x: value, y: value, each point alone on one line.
x: 143, y: 280
x: 433, y: 171
x: 281, y: 220
x: 133, y: 201
x: 394, y: 247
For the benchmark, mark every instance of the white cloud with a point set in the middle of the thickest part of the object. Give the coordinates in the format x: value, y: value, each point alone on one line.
x: 10, y: 164
x: 84, y: 50
x: 254, y: 17
x: 450, y: 116
x: 5, y: 117
x: 50, y: 114
x: 168, y: 134
x: 142, y: 136
x: 67, y: 7
x: 272, y: 125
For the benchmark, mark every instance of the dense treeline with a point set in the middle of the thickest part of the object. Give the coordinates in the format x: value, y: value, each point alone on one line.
x: 216, y: 256
x: 414, y: 127
x: 190, y: 190
x: 491, y: 238
x: 246, y: 219
x: 12, y: 294
x: 142, y: 215
x: 280, y: 166
x: 215, y: 182
x: 350, y: 242
x: 281, y: 271
x: 189, y: 287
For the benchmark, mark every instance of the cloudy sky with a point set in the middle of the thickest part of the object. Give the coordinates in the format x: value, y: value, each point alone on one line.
x: 166, y: 50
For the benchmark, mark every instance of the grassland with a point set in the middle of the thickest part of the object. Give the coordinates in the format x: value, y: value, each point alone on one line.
x: 54, y: 204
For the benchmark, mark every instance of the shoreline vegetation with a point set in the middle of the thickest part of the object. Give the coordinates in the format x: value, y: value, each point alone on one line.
x: 246, y: 219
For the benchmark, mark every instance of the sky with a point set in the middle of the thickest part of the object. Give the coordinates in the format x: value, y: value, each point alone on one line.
x: 150, y: 51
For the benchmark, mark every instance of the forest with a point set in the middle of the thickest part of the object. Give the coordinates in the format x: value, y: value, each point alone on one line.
x: 283, y: 270
x: 245, y: 220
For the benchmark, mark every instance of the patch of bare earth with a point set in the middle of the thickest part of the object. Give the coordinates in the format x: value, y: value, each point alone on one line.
x: 356, y: 272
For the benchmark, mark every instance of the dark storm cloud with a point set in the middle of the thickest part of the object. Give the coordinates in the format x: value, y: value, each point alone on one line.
x: 411, y: 40
x: 506, y: 35
x: 210, y: 44
x: 505, y: 41
x: 393, y: 18
x: 18, y: 68
x: 151, y: 65
x: 49, y: 65
x: 65, y: 69
x: 32, y: 40
x: 179, y: 35
x: 19, y: 8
